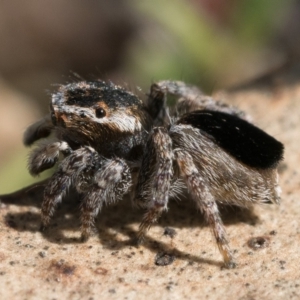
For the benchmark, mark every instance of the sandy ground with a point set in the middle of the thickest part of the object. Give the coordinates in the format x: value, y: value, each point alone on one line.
x: 55, y: 265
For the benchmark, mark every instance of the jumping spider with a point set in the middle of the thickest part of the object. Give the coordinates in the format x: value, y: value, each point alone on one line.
x: 112, y: 143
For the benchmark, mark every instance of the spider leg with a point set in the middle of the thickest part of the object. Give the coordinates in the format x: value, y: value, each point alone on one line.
x: 206, y: 202
x: 176, y: 88
x: 38, y: 130
x: 110, y: 183
x: 190, y: 98
x: 76, y: 163
x: 45, y: 156
x: 155, y: 181
x: 157, y: 98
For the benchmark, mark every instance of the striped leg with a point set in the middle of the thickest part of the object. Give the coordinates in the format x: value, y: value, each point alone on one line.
x: 205, y: 201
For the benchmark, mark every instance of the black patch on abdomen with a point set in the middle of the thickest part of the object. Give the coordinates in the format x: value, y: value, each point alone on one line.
x: 244, y: 141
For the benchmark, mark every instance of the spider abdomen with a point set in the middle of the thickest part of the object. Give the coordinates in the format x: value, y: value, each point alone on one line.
x: 229, y: 180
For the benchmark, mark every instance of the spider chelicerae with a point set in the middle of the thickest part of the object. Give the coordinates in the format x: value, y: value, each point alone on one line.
x: 112, y: 143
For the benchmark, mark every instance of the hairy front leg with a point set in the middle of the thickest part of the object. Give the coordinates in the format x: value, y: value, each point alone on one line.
x: 69, y: 170
x: 206, y: 203
x: 110, y: 183
x: 38, y: 130
x: 46, y: 155
x: 154, y: 181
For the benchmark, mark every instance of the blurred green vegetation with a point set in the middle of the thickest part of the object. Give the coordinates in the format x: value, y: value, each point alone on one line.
x: 14, y: 173
x: 184, y: 42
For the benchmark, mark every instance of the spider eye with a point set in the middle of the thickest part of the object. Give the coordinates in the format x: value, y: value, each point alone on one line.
x: 100, y: 112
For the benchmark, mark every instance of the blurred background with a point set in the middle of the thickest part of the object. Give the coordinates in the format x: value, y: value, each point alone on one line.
x: 212, y: 43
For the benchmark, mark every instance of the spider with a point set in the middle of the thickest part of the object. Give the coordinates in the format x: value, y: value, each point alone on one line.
x: 107, y: 142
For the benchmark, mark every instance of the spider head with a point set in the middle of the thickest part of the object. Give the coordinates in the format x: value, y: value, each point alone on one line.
x: 89, y: 112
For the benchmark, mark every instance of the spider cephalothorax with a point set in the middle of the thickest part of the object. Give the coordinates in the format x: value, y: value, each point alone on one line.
x: 113, y: 143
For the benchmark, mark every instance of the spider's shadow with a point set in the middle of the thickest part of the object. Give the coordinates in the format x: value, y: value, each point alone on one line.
x: 115, y: 218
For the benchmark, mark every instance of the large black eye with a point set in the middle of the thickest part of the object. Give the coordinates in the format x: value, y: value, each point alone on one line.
x: 100, y: 112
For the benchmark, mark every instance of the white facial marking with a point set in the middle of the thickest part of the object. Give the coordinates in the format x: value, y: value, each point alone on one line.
x: 125, y: 123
